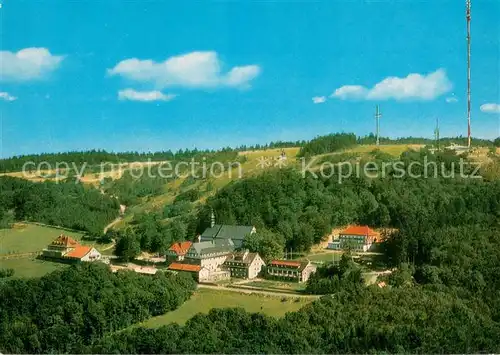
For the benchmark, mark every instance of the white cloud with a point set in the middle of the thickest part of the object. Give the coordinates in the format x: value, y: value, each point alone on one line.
x: 490, y: 108
x: 145, y: 96
x: 319, y: 99
x: 194, y: 70
x: 27, y: 64
x: 7, y: 97
x: 412, y: 87
x: 350, y: 92
x: 451, y: 99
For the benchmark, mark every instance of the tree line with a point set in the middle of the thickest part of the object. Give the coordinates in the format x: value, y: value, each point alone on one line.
x: 68, y: 310
x: 96, y: 157
x: 317, y: 145
x: 63, y: 204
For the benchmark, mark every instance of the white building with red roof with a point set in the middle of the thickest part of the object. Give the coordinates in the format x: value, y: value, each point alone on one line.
x: 68, y: 249
x: 359, y: 238
x: 178, y: 250
x: 290, y: 270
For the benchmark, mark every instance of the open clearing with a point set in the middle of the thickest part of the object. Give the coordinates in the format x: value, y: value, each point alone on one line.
x: 392, y: 149
x: 30, y: 267
x: 203, y: 300
x: 30, y: 238
x: 275, y: 285
x: 20, y: 245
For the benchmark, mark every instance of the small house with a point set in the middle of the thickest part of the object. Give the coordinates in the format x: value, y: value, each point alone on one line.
x: 244, y: 264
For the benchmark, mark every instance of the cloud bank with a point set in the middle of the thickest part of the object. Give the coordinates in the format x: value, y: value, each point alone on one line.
x: 412, y: 87
x: 144, y: 96
x: 7, y: 97
x: 27, y: 64
x: 191, y: 70
x: 318, y: 99
x: 490, y: 108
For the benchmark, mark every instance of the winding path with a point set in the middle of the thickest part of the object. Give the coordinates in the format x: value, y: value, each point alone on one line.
x: 110, y: 225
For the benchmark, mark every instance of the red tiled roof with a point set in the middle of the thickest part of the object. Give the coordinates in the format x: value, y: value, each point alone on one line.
x: 285, y: 263
x: 66, y: 241
x: 359, y: 230
x: 79, y: 252
x: 181, y: 248
x: 184, y: 267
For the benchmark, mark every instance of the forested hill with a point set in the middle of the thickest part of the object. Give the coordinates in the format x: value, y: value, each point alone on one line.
x: 66, y: 204
x: 301, y: 211
x: 318, y: 145
x: 96, y: 157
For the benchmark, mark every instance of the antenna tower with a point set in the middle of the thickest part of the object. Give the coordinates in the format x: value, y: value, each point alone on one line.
x: 436, y: 133
x: 377, y: 118
x: 468, y: 72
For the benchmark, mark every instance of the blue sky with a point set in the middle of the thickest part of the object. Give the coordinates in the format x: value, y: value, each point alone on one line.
x: 154, y: 75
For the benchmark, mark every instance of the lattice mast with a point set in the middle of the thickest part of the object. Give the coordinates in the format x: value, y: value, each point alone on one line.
x: 377, y: 119
x: 468, y: 17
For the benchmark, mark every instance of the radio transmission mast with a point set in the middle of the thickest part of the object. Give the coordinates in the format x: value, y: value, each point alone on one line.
x: 468, y: 72
x: 377, y: 118
x: 436, y: 134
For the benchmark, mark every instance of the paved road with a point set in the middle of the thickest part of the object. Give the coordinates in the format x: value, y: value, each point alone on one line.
x: 261, y: 292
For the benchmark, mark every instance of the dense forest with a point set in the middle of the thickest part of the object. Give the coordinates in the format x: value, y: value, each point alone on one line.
x: 300, y: 211
x: 67, y: 310
x: 442, y: 298
x: 294, y: 212
x: 63, y: 204
x: 372, y: 320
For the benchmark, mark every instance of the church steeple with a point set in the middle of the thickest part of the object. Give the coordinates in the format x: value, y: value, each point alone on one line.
x: 212, y: 219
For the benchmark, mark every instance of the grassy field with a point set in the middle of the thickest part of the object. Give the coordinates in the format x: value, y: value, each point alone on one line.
x: 204, y: 300
x: 30, y: 267
x: 325, y: 257
x: 276, y: 285
x: 30, y: 238
x: 392, y: 149
x: 18, y: 242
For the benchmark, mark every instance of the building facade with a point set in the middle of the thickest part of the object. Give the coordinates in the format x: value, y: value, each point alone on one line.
x: 358, y: 238
x: 211, y: 261
x: 244, y: 265
x: 209, y: 255
x: 298, y: 271
x: 65, y: 248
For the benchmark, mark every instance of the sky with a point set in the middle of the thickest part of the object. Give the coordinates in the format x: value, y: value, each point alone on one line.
x: 154, y: 75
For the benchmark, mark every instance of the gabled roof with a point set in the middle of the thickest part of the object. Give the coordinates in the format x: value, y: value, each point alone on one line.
x: 184, y: 267
x: 359, y: 230
x: 180, y: 248
x: 65, y: 241
x: 224, y: 231
x: 285, y: 263
x: 299, y: 265
x: 234, y: 232
x: 211, y: 232
x: 241, y: 258
x: 212, y: 247
x: 79, y: 252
